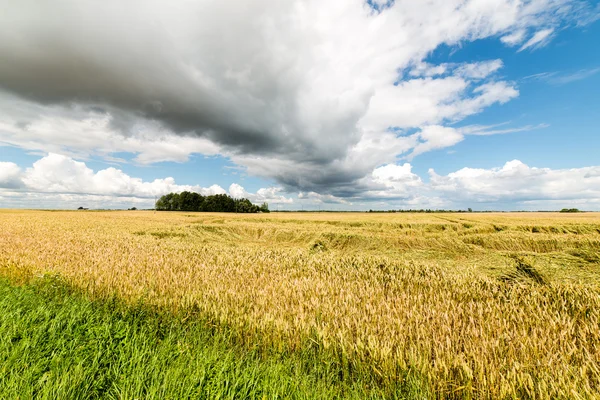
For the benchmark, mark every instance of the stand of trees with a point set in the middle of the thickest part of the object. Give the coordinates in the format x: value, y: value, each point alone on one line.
x: 192, y: 201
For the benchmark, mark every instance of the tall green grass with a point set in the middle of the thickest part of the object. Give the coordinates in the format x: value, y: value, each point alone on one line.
x: 56, y: 343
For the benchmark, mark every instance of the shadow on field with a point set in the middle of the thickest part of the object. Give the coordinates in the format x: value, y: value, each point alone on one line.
x: 57, y: 343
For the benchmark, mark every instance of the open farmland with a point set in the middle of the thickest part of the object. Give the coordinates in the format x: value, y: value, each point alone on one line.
x: 395, y: 305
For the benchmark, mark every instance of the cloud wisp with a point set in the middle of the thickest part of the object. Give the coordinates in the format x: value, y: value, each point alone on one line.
x: 558, y: 78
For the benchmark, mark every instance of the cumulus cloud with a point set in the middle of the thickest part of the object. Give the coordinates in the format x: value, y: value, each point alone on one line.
x: 10, y: 174
x: 516, y: 181
x: 393, y: 182
x: 57, y: 176
x: 58, y: 181
x: 270, y: 195
x: 277, y: 87
x: 56, y: 173
x: 512, y: 186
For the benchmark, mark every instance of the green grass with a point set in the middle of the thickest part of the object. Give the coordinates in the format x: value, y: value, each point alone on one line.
x: 56, y: 343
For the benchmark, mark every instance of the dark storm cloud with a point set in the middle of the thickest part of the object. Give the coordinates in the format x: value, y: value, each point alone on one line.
x: 54, y: 73
x: 127, y: 57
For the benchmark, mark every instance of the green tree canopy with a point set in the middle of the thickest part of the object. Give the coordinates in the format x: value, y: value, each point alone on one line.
x: 192, y: 201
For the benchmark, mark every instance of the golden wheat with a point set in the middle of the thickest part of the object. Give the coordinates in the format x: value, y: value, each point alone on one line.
x: 478, y: 305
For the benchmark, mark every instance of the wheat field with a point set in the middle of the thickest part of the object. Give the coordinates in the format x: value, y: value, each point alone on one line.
x: 469, y: 305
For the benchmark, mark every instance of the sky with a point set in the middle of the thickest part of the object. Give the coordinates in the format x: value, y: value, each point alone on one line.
x: 303, y: 104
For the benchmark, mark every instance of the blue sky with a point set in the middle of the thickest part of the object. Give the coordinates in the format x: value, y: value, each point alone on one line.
x: 496, y: 107
x: 571, y: 109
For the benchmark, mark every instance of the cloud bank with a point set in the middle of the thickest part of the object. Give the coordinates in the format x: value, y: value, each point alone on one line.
x: 58, y: 181
x: 55, y: 177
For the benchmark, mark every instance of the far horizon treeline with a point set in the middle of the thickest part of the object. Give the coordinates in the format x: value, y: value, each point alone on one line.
x: 421, y: 210
x: 192, y: 201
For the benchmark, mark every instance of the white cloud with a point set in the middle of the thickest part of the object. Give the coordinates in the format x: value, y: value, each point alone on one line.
x: 479, y: 70
x: 211, y: 190
x: 435, y: 137
x: 517, y: 182
x: 270, y: 195
x: 486, y: 130
x: 393, y: 174
x: 539, y: 39
x: 432, y: 101
x: 56, y: 173
x: 57, y: 178
x: 423, y: 69
x: 9, y: 175
x: 237, y: 192
x: 393, y: 181
x: 558, y: 78
x: 514, y: 38
x: 512, y: 186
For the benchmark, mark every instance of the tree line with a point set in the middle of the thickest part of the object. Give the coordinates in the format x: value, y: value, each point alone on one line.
x: 192, y: 201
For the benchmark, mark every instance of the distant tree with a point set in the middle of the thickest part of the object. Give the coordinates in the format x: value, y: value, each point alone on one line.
x: 133, y: 209
x: 190, y: 201
x: 226, y: 202
x: 469, y: 209
x: 570, y: 210
x: 80, y: 208
x: 264, y: 207
x: 243, y: 205
x: 165, y: 203
x: 175, y: 202
x: 219, y: 203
